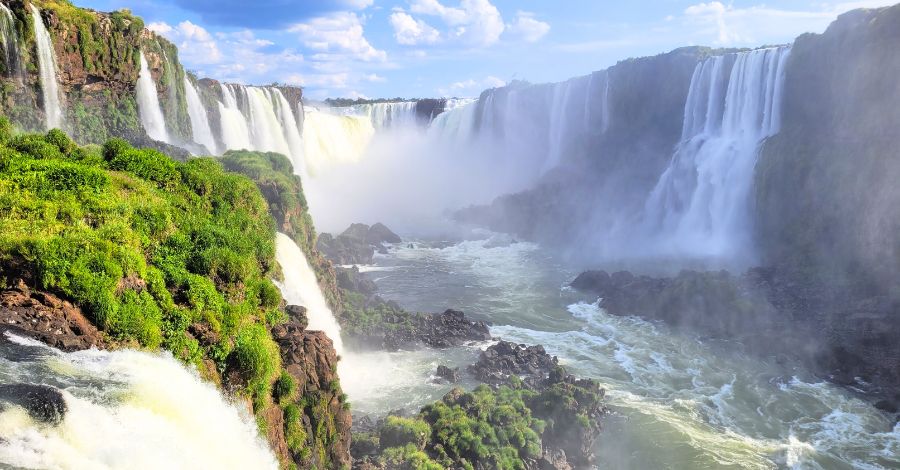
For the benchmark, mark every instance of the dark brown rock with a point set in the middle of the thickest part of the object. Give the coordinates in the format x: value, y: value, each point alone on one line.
x: 48, y: 318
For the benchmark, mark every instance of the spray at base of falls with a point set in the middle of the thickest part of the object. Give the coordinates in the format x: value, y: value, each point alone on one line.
x: 127, y: 410
x: 331, y: 139
x: 300, y: 287
x: 202, y: 133
x: 701, y: 203
x: 148, y: 105
x: 47, y: 67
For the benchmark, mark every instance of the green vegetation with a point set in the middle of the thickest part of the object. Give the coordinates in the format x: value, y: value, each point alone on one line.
x: 160, y: 253
x: 501, y: 429
x: 147, y: 246
x: 273, y: 174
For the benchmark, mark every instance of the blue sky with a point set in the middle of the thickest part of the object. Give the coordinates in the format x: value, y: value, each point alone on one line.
x: 425, y: 48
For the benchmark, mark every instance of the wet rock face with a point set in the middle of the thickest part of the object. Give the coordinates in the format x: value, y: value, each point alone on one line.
x: 43, y: 403
x: 48, y: 318
x: 309, y: 357
x: 357, y: 244
x: 503, y: 360
x: 451, y: 328
x: 448, y: 374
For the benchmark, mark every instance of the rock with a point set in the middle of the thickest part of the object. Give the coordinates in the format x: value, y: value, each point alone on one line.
x: 499, y: 362
x: 351, y: 279
x: 48, y: 318
x: 448, y: 374
x: 43, y: 403
x: 297, y: 314
x: 345, y: 249
x: 379, y: 234
x: 450, y: 328
x: 309, y: 357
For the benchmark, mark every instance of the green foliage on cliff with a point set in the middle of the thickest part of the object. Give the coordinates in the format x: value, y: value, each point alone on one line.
x: 146, y: 246
x: 273, y: 174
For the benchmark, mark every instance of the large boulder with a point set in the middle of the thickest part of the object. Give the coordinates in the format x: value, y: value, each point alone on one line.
x: 43, y: 403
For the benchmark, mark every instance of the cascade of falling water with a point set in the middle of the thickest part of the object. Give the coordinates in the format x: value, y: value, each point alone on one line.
x: 235, y: 131
x: 388, y: 115
x: 202, y: 133
x: 300, y: 287
x: 125, y: 410
x: 148, y: 104
x: 288, y: 123
x: 265, y: 129
x: 53, y: 113
x: 10, y: 38
x: 700, y: 205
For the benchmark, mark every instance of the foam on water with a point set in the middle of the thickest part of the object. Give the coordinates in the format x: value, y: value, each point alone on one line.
x: 126, y: 410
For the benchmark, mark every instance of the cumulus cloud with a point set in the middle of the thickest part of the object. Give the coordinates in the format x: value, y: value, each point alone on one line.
x: 726, y: 25
x: 527, y: 27
x: 195, y: 44
x: 337, y: 36
x: 473, y: 22
x: 470, y: 87
x: 409, y: 31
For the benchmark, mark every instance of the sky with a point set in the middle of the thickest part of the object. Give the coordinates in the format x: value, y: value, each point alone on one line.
x: 453, y: 48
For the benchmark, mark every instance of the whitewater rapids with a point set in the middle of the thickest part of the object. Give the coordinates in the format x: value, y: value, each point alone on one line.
x: 677, y: 402
x: 127, y: 410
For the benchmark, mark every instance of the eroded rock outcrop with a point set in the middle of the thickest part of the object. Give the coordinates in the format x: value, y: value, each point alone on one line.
x: 47, y: 318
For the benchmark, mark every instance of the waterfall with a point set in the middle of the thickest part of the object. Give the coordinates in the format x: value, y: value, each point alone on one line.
x: 292, y: 131
x: 202, y: 133
x: 235, y: 131
x: 331, y: 138
x: 125, y: 410
x: 10, y: 38
x: 265, y: 129
x: 300, y: 287
x: 388, y: 115
x: 47, y: 67
x: 456, y: 123
x: 259, y: 119
x: 148, y: 104
x: 701, y: 203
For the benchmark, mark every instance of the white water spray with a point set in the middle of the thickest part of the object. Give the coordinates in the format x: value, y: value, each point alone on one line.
x: 53, y: 113
x: 700, y: 205
x: 127, y: 410
x: 202, y: 133
x: 388, y: 115
x: 235, y: 131
x: 300, y: 287
x: 148, y: 104
x: 10, y: 38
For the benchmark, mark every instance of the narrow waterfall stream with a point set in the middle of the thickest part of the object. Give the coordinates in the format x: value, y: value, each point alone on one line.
x: 148, y: 104
x: 53, y: 112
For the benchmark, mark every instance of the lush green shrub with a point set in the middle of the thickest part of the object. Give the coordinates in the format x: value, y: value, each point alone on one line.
x: 398, y: 432
x: 256, y: 354
x: 285, y: 387
x: 409, y: 457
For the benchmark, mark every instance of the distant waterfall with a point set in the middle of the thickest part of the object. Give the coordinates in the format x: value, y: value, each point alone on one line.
x: 202, y: 133
x: 388, y: 115
x: 701, y: 203
x: 47, y: 67
x: 300, y: 287
x: 148, y: 104
x: 259, y: 119
x: 330, y: 138
x: 125, y: 410
x: 10, y: 38
x: 235, y: 131
x: 456, y: 123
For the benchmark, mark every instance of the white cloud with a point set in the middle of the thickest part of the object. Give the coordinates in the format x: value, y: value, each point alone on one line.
x: 195, y: 44
x: 470, y: 87
x: 526, y: 27
x: 474, y: 23
x: 410, y: 32
x: 727, y: 25
x: 338, y: 36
